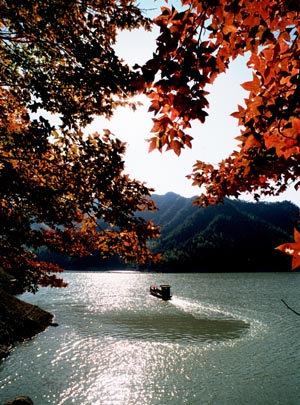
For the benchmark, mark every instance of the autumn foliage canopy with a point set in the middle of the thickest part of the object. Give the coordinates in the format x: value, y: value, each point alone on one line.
x: 66, y: 190
x: 60, y: 188
x: 195, y: 45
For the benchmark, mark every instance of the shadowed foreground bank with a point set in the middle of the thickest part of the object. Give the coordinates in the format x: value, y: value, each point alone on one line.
x: 19, y: 320
x: 20, y: 401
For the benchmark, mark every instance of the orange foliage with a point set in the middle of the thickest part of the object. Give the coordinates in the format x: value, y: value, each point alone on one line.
x: 57, y: 57
x: 197, y: 43
x: 60, y: 189
x: 292, y: 249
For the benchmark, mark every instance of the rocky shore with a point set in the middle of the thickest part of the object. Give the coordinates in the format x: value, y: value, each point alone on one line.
x: 19, y: 320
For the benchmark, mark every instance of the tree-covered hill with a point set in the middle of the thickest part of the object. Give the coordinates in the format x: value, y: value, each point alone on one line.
x: 234, y: 236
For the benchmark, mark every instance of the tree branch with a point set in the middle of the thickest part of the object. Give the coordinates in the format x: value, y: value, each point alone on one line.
x: 295, y: 312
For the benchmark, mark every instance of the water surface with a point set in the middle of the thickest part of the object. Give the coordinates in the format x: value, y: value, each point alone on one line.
x: 222, y: 339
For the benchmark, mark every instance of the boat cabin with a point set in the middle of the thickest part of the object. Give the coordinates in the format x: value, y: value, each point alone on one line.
x: 164, y: 292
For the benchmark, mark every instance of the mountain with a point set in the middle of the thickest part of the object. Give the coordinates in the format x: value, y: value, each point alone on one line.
x: 234, y: 236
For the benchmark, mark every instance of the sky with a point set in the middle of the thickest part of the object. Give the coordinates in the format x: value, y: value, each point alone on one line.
x: 212, y: 142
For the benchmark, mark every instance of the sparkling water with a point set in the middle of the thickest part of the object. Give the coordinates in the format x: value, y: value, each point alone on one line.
x: 222, y: 339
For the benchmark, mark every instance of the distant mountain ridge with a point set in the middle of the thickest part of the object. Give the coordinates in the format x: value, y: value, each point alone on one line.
x: 236, y: 235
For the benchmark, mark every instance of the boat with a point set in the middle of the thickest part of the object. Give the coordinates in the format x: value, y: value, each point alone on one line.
x: 164, y: 292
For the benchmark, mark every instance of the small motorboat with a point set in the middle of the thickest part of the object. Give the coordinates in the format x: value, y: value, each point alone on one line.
x: 164, y: 292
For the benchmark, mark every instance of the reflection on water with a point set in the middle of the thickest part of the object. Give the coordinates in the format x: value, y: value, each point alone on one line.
x: 220, y: 340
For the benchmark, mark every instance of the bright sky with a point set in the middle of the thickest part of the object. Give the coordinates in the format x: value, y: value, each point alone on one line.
x: 213, y: 141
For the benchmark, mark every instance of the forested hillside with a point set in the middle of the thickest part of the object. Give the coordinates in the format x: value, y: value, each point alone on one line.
x: 234, y: 236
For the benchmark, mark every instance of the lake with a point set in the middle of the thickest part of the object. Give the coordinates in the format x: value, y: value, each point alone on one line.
x: 224, y: 338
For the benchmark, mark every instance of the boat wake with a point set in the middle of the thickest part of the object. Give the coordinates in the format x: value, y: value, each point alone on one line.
x: 210, y: 312
x: 199, y: 309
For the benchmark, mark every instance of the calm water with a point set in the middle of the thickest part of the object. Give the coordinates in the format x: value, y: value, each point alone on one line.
x: 223, y: 339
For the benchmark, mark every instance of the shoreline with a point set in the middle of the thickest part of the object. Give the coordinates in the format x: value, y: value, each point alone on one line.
x: 19, y: 321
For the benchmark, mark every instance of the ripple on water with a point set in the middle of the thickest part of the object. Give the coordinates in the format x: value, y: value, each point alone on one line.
x: 118, y: 345
x: 173, y: 327
x: 172, y: 322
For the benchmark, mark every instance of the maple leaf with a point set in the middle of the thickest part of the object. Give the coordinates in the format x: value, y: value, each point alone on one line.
x: 176, y: 146
x: 253, y: 86
x: 251, y: 142
x: 292, y: 249
x: 296, y: 125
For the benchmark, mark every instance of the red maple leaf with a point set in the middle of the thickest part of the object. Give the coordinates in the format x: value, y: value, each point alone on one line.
x: 292, y: 249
